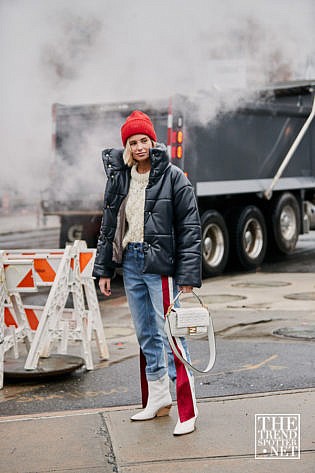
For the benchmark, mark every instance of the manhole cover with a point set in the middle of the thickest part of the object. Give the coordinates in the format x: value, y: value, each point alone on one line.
x: 302, y: 296
x: 213, y: 298
x: 262, y: 284
x: 303, y: 333
x: 51, y: 366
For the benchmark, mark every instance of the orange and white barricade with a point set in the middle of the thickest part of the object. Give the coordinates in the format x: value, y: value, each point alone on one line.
x: 74, y: 275
x: 65, y: 271
x: 2, y: 301
x: 15, y: 277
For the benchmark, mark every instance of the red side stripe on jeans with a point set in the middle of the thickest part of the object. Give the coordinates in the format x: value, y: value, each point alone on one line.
x: 185, y: 402
x: 143, y: 380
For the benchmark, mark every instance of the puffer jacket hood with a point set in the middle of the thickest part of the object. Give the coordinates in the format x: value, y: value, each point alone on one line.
x: 114, y: 162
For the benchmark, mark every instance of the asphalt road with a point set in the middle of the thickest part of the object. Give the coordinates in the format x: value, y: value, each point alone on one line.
x: 241, y: 367
x: 302, y: 260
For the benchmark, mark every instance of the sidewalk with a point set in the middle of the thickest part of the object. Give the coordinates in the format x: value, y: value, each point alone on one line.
x: 103, y: 441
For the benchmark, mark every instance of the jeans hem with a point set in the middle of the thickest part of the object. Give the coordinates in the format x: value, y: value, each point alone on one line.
x: 156, y: 375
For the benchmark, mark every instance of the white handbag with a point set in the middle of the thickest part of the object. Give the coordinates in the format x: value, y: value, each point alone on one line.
x: 189, y: 321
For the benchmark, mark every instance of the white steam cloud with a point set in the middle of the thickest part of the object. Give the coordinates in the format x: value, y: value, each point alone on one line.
x: 78, y: 51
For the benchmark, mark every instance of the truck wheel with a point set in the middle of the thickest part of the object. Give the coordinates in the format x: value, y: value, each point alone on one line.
x: 285, y: 223
x: 215, y: 243
x: 249, y: 237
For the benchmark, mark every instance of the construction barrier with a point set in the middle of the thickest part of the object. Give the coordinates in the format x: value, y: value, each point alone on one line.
x: 66, y: 272
x: 13, y: 280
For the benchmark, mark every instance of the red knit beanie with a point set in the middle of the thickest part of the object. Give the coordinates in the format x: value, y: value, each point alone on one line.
x: 137, y: 123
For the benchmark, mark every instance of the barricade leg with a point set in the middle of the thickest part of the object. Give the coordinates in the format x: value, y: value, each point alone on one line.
x: 2, y: 300
x: 84, y: 260
x: 79, y: 307
x: 63, y: 344
x: 97, y: 324
x: 11, y: 305
x: 22, y: 319
x: 1, y: 361
x: 13, y: 341
x: 53, y: 309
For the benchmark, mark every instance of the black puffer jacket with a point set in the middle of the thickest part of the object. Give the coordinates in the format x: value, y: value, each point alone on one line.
x: 172, y: 232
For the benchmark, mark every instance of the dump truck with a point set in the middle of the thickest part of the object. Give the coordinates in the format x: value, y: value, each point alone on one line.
x: 252, y: 167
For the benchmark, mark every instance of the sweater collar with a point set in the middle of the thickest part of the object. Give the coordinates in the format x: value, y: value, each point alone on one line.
x: 140, y: 178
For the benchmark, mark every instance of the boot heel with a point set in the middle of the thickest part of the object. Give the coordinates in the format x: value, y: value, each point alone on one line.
x: 164, y: 411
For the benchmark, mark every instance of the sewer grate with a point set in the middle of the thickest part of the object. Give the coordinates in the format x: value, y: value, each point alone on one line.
x: 303, y: 333
x: 302, y: 296
x: 262, y: 284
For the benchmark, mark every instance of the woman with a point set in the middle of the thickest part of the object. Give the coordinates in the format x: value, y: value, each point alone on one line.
x: 151, y: 227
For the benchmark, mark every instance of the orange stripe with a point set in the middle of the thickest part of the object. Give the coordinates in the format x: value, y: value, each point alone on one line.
x: 8, y: 318
x: 27, y: 281
x: 84, y: 259
x: 32, y: 318
x: 44, y: 270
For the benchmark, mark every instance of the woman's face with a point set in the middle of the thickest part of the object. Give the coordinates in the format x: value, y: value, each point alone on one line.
x: 140, y: 147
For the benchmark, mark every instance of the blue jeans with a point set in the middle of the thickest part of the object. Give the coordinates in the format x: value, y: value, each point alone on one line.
x: 145, y: 299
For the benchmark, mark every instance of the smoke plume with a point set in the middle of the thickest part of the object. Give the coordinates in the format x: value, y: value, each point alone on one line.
x: 75, y: 52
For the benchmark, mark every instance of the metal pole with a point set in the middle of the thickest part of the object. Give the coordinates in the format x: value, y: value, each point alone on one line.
x: 295, y: 144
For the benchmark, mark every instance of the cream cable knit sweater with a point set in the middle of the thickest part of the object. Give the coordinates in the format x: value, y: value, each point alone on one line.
x: 135, y: 206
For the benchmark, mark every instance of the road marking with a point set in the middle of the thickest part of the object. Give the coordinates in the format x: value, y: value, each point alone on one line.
x: 259, y: 365
x: 247, y: 367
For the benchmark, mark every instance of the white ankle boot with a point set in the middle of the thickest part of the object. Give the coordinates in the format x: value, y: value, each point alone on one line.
x: 186, y: 427
x: 159, y: 400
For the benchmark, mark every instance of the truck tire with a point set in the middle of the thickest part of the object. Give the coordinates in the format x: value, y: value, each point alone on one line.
x: 215, y: 243
x: 285, y: 223
x: 248, y: 236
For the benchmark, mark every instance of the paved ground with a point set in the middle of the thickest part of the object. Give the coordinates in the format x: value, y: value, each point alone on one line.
x: 246, y: 309
x: 104, y: 440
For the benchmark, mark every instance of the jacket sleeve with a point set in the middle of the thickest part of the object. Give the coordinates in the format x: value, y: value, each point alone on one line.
x: 187, y: 229
x: 102, y: 266
x: 103, y: 254
x: 100, y: 269
x: 115, y: 192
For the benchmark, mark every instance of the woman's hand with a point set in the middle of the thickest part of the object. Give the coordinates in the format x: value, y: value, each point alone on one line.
x: 104, y: 285
x: 186, y: 288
